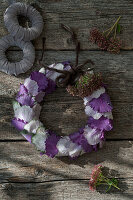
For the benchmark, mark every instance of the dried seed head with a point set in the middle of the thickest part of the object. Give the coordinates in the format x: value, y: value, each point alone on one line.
x: 111, y: 45
x: 86, y: 85
x: 98, y: 38
x: 114, y: 46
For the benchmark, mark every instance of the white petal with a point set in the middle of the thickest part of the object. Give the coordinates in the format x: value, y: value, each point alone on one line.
x: 74, y: 150
x: 32, y: 126
x: 37, y: 110
x: 63, y: 145
x: 95, y: 94
x: 42, y: 70
x: 54, y: 75
x: 16, y: 105
x: 39, y: 140
x: 89, y: 111
x: 108, y: 115
x: 41, y: 129
x: 24, y: 113
x: 96, y: 115
x: 66, y: 147
x: 92, y: 136
x: 31, y: 86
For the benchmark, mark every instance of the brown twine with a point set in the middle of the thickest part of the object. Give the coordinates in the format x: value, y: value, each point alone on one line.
x: 71, y: 76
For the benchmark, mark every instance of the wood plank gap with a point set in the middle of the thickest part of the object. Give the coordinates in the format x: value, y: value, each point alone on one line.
x: 64, y: 50
x: 58, y: 180
x: 107, y: 140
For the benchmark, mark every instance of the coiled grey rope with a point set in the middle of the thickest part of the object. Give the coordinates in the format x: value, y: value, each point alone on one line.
x: 15, y: 68
x: 18, y: 32
x: 20, y: 36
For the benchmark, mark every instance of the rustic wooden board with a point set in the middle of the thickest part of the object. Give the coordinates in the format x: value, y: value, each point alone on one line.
x: 24, y: 174
x: 82, y: 15
x: 20, y: 162
x: 64, y: 113
x: 64, y: 190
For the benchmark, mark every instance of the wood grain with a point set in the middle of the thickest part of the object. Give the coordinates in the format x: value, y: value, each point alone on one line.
x: 20, y: 162
x: 64, y: 190
x: 82, y: 15
x: 24, y: 174
x: 63, y: 113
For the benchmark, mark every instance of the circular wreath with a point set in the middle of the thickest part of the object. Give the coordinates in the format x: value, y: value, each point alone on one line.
x: 16, y: 67
x: 97, y: 106
x: 11, y: 21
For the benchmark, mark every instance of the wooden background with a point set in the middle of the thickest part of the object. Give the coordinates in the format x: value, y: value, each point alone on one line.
x: 24, y: 174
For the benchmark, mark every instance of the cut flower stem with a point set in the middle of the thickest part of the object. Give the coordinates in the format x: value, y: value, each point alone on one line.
x: 114, y: 27
x: 107, y: 181
x: 107, y: 40
x: 97, y: 178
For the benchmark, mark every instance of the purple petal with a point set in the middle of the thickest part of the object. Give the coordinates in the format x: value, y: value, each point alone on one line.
x: 27, y: 137
x: 31, y: 86
x: 40, y: 97
x: 79, y: 139
x: 87, y: 147
x: 103, y: 123
x: 101, y: 104
x: 51, y: 86
x: 66, y: 65
x: 51, y: 142
x: 23, y: 90
x: 25, y: 99
x: 41, y: 80
x: 18, y: 124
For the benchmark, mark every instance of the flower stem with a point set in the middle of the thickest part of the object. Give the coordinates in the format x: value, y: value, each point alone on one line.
x: 106, y: 181
x: 106, y: 30
x: 116, y: 187
x: 114, y: 26
x: 108, y: 188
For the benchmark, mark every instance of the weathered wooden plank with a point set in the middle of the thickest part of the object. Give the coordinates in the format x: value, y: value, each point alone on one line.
x: 24, y: 174
x: 66, y: 117
x: 82, y: 16
x: 60, y: 109
x: 20, y: 162
x: 63, y: 190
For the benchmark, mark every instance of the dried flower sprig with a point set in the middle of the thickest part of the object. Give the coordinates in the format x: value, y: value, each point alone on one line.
x: 97, y: 178
x: 86, y: 85
x: 104, y: 40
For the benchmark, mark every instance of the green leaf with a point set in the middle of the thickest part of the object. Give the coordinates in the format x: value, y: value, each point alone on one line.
x: 118, y: 28
x: 110, y: 182
x: 115, y: 181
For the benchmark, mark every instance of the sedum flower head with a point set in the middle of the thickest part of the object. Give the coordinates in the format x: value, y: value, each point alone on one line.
x: 98, y: 38
x: 97, y: 178
x: 86, y: 85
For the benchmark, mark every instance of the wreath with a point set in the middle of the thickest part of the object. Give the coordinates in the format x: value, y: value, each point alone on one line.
x: 85, y: 84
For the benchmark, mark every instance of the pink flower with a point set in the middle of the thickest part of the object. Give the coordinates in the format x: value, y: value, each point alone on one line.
x: 95, y: 177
